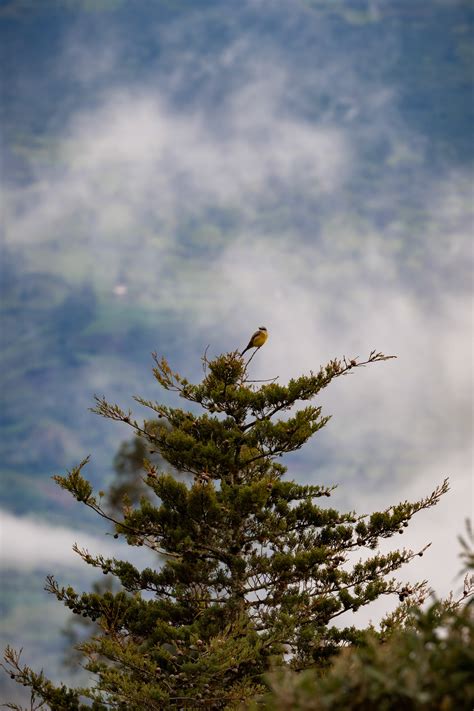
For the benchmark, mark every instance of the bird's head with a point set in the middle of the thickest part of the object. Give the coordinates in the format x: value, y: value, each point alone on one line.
x: 262, y: 328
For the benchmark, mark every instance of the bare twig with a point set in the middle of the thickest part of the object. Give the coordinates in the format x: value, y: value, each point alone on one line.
x: 265, y: 380
x: 205, y: 360
x: 250, y: 359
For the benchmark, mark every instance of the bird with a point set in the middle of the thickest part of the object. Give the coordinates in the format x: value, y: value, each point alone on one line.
x: 257, y: 340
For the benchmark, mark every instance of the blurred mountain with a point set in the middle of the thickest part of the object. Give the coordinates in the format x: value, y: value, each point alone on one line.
x: 84, y: 304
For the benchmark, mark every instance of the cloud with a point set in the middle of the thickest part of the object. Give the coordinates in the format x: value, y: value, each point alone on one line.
x: 132, y: 167
x: 317, y: 308
x: 30, y: 544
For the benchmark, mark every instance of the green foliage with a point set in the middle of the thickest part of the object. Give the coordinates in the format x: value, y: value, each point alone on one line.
x: 429, y: 665
x: 252, y: 569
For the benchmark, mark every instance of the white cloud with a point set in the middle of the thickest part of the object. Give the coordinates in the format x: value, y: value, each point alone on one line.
x: 134, y: 149
x: 317, y: 308
x: 30, y: 544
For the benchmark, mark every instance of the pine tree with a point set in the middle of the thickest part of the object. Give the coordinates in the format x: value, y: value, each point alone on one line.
x: 254, y: 569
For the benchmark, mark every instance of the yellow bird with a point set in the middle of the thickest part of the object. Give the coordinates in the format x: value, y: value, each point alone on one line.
x: 257, y: 340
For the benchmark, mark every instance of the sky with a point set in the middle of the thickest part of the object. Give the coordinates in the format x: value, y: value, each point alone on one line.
x: 224, y: 183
